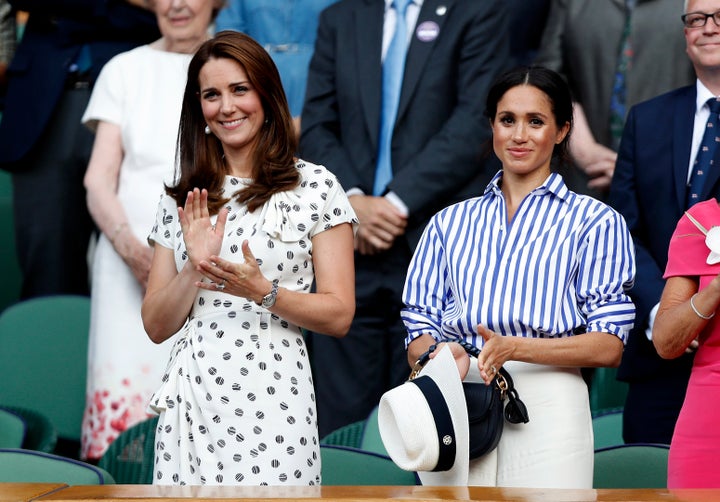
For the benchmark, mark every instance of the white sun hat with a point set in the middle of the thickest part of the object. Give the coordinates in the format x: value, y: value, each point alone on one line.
x: 424, y: 423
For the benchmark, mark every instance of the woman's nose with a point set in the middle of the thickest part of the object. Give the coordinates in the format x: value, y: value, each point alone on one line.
x: 519, y: 132
x: 227, y: 104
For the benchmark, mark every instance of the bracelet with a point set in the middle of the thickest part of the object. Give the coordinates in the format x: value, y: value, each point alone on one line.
x: 118, y: 228
x: 422, y: 360
x: 701, y: 316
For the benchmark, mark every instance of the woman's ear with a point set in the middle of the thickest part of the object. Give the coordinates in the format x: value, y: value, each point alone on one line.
x: 562, y: 133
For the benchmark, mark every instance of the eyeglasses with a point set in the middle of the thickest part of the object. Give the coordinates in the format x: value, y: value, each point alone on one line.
x: 699, y: 19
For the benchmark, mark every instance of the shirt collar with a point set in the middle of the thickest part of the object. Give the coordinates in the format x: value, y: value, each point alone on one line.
x: 703, y: 94
x: 553, y: 184
x: 388, y: 3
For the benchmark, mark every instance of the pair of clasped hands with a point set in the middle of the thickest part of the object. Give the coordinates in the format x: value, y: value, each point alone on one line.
x: 381, y: 222
x: 496, y: 351
x: 203, y: 241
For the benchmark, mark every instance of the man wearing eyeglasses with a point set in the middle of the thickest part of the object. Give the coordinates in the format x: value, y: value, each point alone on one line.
x: 652, y: 187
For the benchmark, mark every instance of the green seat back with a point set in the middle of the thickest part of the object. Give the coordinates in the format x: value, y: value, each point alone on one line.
x: 5, y: 184
x: 40, y: 433
x: 371, y: 440
x: 12, y: 430
x: 9, y: 267
x: 27, y: 466
x: 347, y: 435
x: 343, y: 466
x: 131, y: 457
x: 631, y: 466
x: 43, y: 358
x: 363, y: 435
x: 606, y: 392
x: 607, y: 429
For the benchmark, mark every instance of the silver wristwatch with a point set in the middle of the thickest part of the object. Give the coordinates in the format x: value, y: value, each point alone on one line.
x: 269, y: 299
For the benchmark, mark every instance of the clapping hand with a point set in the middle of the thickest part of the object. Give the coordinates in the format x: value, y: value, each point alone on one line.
x: 239, y: 279
x: 202, y: 238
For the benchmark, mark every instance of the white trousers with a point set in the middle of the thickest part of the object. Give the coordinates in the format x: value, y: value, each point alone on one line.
x: 554, y: 449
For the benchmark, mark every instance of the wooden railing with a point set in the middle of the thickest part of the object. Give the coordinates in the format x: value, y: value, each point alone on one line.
x: 59, y: 492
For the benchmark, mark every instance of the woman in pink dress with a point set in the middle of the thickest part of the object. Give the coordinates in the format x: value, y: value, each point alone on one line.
x: 687, y: 316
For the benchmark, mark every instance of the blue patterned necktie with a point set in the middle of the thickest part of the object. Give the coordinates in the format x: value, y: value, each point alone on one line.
x: 705, y: 155
x: 392, y: 76
x: 618, y: 105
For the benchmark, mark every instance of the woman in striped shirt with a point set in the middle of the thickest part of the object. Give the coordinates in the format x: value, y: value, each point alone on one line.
x: 535, y: 275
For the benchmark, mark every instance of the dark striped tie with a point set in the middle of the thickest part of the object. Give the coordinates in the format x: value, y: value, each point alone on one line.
x: 705, y: 156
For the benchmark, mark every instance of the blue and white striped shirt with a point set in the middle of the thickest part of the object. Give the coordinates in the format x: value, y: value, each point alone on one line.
x: 565, y: 262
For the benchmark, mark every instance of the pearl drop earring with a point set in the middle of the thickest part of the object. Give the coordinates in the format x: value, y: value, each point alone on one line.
x: 207, y: 129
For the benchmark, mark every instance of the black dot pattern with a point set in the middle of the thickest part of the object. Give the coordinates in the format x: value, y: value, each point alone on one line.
x: 242, y: 374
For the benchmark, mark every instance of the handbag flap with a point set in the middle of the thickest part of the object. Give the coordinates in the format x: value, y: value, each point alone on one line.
x: 481, y: 399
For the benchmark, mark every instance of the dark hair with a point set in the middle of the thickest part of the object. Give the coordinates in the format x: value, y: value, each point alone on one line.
x: 200, y: 155
x: 550, y: 83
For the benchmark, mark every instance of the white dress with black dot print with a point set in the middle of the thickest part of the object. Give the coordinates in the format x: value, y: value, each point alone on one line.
x: 237, y: 404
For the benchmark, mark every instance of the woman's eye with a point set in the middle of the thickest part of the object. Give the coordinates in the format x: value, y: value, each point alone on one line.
x: 536, y: 122
x: 506, y: 120
x: 240, y: 89
x: 209, y: 94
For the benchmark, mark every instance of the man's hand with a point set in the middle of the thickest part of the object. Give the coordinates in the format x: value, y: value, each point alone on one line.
x: 380, y: 223
x: 598, y: 162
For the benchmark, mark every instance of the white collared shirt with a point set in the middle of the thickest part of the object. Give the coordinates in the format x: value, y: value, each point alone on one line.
x: 411, y: 16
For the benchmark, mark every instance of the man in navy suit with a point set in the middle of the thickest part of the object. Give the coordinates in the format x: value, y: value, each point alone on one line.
x: 456, y: 49
x: 42, y: 142
x: 649, y: 188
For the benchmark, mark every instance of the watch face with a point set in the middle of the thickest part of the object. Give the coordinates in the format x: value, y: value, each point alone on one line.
x: 269, y: 299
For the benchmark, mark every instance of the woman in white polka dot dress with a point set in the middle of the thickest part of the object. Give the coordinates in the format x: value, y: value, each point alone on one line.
x: 238, y: 241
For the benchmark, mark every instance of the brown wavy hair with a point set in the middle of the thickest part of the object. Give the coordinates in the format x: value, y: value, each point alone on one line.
x: 200, y: 156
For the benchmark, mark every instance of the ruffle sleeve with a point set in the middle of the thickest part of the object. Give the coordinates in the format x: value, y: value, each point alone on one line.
x: 318, y: 204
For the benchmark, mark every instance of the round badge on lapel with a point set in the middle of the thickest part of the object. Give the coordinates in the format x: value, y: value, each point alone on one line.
x: 427, y: 31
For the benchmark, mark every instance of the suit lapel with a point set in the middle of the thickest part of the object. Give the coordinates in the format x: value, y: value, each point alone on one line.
x: 683, y: 127
x: 429, y: 27
x: 368, y: 33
